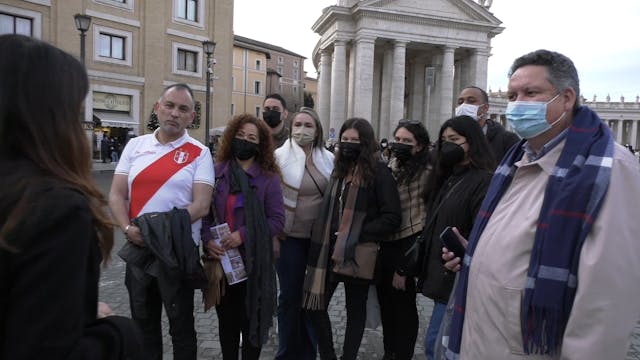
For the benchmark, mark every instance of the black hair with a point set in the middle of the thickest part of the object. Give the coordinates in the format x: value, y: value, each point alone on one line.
x: 42, y: 89
x: 480, y: 153
x: 485, y: 96
x: 420, y: 160
x: 561, y: 72
x: 277, y: 97
x: 366, y: 162
x: 179, y: 86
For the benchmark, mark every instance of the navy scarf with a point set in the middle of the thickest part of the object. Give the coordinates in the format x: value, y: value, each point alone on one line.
x: 574, y: 194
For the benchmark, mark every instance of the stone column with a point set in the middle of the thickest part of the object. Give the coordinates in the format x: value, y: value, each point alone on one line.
x: 479, y: 62
x: 324, y: 90
x: 619, y: 129
x: 363, y: 85
x: 417, y: 90
x: 459, y: 78
x: 634, y: 134
x: 385, y: 92
x: 446, y: 84
x: 377, y: 89
x: 396, y: 108
x: 351, y: 89
x: 338, y: 85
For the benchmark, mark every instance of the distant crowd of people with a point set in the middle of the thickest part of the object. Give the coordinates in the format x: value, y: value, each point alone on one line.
x: 111, y: 148
x: 525, y: 240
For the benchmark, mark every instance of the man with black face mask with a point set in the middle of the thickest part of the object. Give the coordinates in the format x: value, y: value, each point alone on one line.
x: 275, y: 114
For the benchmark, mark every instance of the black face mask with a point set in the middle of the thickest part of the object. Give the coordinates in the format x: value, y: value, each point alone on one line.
x: 272, y: 118
x: 243, y: 149
x: 349, y: 151
x: 401, y: 151
x: 451, y: 154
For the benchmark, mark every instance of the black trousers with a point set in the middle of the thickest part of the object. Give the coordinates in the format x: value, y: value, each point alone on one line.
x: 356, y: 292
x: 398, y: 310
x: 233, y: 320
x: 146, y: 310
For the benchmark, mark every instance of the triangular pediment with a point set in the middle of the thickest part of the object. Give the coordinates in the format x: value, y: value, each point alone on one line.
x: 463, y: 10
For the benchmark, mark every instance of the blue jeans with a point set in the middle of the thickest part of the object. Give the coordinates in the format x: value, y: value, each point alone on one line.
x: 432, y: 331
x: 295, y: 336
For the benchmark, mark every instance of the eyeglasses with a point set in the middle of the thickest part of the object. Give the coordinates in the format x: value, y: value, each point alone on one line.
x: 409, y: 122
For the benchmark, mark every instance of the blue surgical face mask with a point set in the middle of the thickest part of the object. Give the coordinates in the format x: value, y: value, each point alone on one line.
x: 529, y: 118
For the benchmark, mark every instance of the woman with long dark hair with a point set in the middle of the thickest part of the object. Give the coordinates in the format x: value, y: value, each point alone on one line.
x: 360, y: 209
x: 463, y: 168
x: 306, y: 167
x: 248, y: 198
x: 54, y: 231
x: 396, y: 285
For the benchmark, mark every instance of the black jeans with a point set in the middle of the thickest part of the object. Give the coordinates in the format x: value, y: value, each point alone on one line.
x: 146, y: 310
x: 232, y: 320
x: 356, y: 303
x: 296, y: 340
x: 398, y: 310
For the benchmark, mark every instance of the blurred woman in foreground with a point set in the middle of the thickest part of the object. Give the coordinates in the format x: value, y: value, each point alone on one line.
x: 54, y: 231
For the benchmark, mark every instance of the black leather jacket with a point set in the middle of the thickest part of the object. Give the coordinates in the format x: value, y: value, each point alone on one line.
x: 170, y: 254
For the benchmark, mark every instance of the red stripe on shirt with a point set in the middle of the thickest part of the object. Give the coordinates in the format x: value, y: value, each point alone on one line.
x: 151, y: 179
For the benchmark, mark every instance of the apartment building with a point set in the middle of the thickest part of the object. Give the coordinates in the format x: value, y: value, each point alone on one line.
x: 249, y: 77
x: 284, y: 74
x: 135, y: 48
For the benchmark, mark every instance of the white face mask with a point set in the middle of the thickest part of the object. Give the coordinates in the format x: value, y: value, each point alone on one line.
x: 468, y: 109
x: 303, y: 135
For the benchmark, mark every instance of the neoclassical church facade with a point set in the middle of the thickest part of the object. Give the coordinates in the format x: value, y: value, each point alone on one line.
x: 384, y: 60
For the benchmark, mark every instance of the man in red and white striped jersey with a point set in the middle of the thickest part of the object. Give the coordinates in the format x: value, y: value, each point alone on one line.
x: 156, y: 173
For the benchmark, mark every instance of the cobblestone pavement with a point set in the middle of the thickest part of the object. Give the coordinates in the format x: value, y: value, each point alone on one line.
x: 113, y: 292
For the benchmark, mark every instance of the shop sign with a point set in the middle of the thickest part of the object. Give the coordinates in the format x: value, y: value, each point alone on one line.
x: 113, y: 102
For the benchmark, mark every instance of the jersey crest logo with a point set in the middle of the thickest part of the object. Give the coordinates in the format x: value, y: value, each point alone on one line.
x: 180, y: 157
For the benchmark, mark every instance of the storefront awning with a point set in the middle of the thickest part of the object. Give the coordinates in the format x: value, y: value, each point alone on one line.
x: 110, y: 119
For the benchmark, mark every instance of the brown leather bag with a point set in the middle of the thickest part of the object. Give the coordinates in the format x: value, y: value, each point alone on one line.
x: 365, y: 262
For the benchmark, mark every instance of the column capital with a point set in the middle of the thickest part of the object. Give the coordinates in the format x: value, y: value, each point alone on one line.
x: 365, y: 39
x: 339, y: 42
x: 400, y: 43
x: 482, y: 52
x: 448, y: 48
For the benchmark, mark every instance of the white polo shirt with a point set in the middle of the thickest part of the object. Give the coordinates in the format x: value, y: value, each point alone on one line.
x: 161, y: 177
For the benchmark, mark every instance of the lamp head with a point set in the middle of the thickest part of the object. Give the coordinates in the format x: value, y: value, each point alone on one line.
x: 209, y: 47
x: 82, y: 22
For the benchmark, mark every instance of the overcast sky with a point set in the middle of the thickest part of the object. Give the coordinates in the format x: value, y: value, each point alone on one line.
x: 601, y: 37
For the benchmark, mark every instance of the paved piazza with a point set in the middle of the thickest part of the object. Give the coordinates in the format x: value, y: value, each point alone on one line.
x: 113, y: 292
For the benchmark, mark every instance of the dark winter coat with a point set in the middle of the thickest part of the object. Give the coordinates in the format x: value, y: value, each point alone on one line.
x: 458, y: 210
x: 500, y: 139
x: 49, y: 284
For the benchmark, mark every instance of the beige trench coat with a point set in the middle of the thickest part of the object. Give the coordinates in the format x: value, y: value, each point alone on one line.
x: 607, y: 302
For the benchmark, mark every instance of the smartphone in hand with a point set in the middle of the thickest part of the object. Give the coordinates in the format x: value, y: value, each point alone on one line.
x: 450, y: 240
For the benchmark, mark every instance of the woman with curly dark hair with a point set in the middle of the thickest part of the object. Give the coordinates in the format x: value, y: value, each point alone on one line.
x: 54, y: 230
x: 359, y: 209
x: 248, y: 198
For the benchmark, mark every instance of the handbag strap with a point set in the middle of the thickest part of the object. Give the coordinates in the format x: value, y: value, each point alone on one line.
x: 314, y: 180
x: 435, y: 211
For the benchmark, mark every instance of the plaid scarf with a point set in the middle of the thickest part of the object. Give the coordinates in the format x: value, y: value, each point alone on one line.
x: 574, y: 194
x: 351, y: 219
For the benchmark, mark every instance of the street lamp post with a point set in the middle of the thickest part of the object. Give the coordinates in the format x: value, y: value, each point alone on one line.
x: 82, y: 24
x: 209, y: 47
